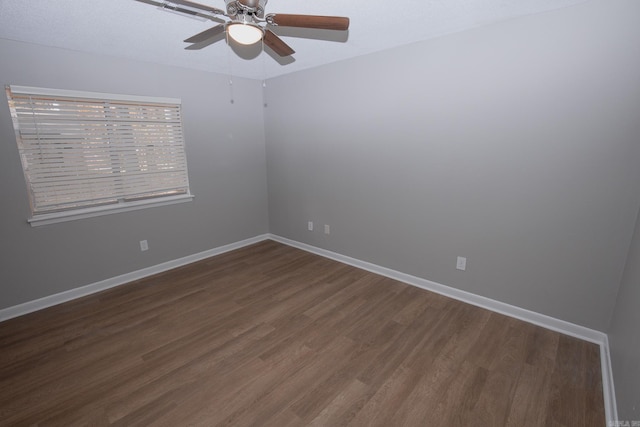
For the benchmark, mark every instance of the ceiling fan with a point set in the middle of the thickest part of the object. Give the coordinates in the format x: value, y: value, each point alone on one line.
x: 248, y: 23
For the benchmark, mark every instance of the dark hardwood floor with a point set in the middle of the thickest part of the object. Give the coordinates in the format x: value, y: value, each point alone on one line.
x: 269, y: 335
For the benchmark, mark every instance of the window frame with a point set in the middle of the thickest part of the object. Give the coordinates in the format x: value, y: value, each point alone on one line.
x: 125, y: 201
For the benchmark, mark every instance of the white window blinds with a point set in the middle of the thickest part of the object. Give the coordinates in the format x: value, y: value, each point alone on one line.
x: 82, y: 150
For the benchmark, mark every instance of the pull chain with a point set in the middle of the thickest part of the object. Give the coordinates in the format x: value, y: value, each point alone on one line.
x: 231, y: 100
x: 264, y: 78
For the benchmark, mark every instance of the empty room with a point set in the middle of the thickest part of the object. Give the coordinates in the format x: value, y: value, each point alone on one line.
x: 281, y: 213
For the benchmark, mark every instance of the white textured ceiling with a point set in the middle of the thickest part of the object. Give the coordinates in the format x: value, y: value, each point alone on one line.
x: 131, y: 29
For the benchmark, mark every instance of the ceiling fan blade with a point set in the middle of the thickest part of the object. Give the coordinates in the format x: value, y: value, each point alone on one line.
x: 276, y: 43
x: 198, y: 6
x: 164, y: 5
x: 206, y: 34
x: 310, y: 21
x: 203, y: 44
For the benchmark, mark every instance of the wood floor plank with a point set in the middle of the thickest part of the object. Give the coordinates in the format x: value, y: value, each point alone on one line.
x: 528, y: 407
x: 309, y: 404
x: 268, y: 335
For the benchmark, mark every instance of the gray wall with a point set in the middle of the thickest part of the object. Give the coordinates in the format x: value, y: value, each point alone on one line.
x: 515, y: 145
x: 624, y: 338
x: 227, y: 169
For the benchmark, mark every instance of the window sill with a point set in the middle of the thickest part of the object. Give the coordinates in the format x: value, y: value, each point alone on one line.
x: 53, y: 218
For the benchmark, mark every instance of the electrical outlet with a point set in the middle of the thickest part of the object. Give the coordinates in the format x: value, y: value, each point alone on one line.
x: 461, y: 263
x: 144, y: 246
x: 327, y: 229
x: 310, y: 225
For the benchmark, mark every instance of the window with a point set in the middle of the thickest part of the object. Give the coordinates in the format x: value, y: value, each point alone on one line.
x: 87, y: 154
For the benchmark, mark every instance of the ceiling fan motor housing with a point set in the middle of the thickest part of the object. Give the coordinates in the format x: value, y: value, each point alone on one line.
x: 246, y: 7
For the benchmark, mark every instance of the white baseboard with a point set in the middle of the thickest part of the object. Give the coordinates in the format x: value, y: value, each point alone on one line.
x: 608, y: 389
x: 51, y: 300
x: 542, y: 320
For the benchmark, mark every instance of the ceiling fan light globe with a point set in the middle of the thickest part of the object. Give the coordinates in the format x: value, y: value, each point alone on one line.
x: 246, y: 34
